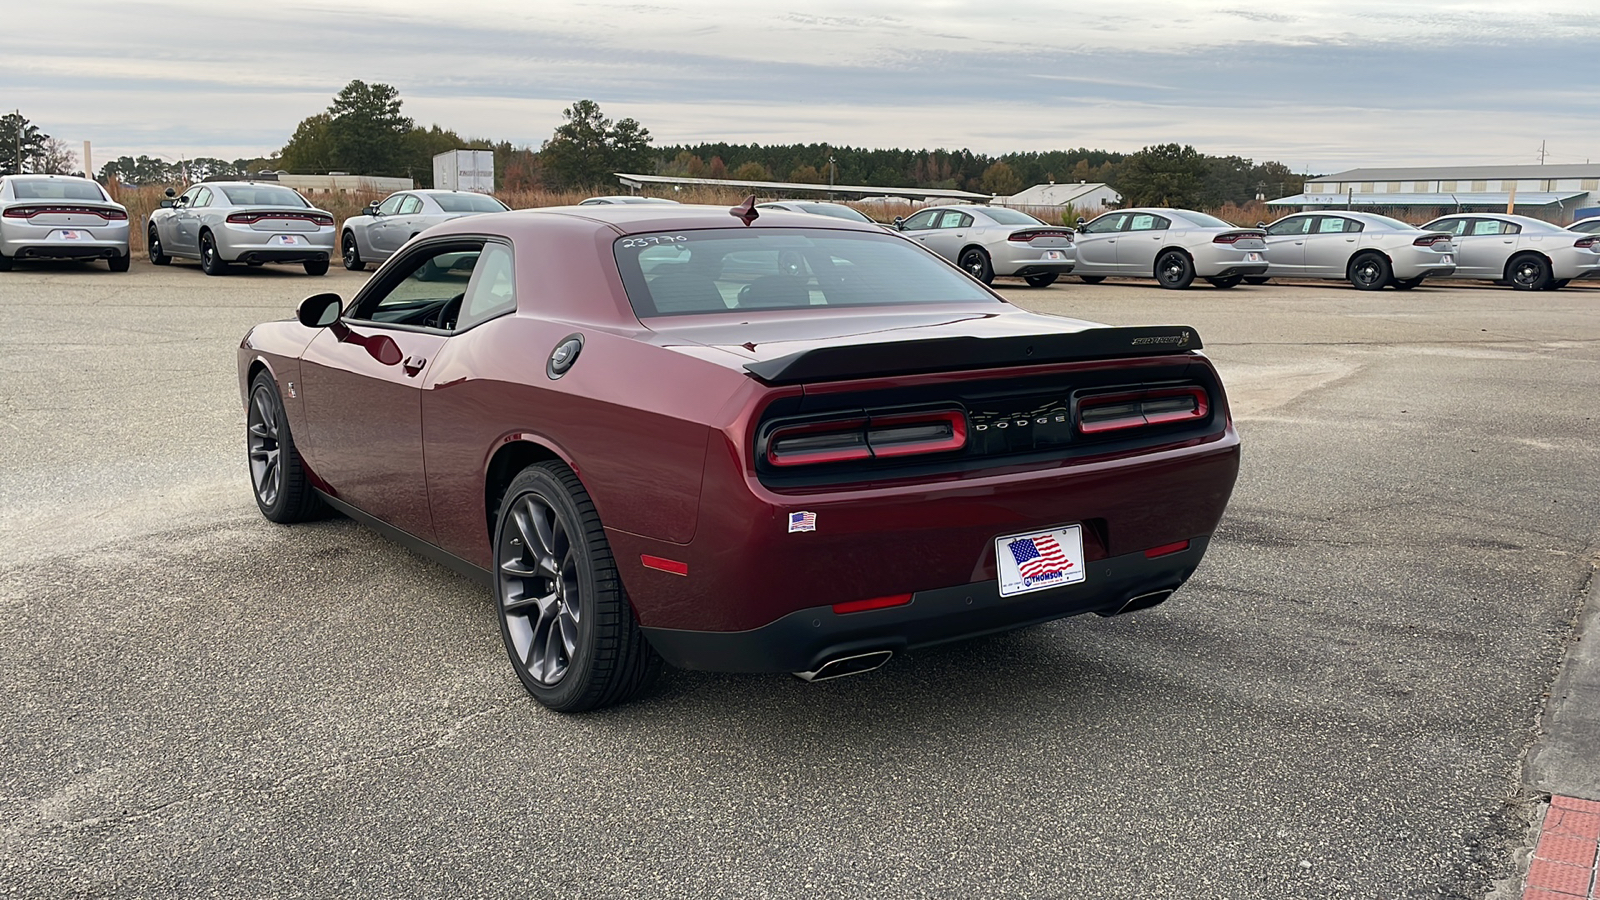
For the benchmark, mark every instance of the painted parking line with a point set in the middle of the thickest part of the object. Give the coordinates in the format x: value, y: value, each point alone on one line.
x: 1565, y: 861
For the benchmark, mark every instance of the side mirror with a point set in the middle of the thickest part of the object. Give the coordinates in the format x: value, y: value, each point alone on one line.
x: 168, y: 204
x: 319, y: 310
x: 1080, y: 221
x: 171, y: 192
x: 899, y: 224
x: 1261, y: 224
x: 371, y: 209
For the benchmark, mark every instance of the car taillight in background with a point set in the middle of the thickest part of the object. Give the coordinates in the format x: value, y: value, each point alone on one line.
x: 867, y: 437
x: 1022, y: 237
x: 28, y: 212
x: 253, y: 217
x: 1432, y: 240
x: 1099, y: 413
x: 1232, y: 237
x: 1588, y: 242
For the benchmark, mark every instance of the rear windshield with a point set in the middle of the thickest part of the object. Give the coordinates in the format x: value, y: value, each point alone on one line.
x: 468, y: 203
x: 838, y: 212
x: 1392, y: 223
x: 57, y: 189
x: 1010, y: 216
x: 720, y: 270
x: 262, y: 195
x: 1203, y: 220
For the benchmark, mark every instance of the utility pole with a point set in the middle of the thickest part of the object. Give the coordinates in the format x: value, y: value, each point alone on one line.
x: 1541, y: 153
x: 19, y: 141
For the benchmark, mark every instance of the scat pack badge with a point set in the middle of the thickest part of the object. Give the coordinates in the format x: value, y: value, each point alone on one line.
x: 802, y: 521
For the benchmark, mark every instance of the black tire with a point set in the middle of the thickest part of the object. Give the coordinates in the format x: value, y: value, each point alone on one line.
x: 5, y: 263
x: 1529, y: 272
x: 152, y: 243
x: 1091, y: 279
x: 976, y: 263
x: 119, y: 263
x: 277, y: 474
x: 1174, y: 270
x: 352, y: 253
x: 1369, y: 272
x: 1406, y: 284
x: 564, y: 616
x: 1558, y: 284
x: 316, y: 266
x: 1256, y: 279
x: 211, y: 261
x: 1043, y: 280
x: 1231, y: 281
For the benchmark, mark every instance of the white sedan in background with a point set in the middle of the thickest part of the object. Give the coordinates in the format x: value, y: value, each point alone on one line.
x: 1371, y: 251
x: 1529, y: 254
x: 382, y: 228
x: 1173, y: 246
x: 60, y: 217
x: 992, y: 240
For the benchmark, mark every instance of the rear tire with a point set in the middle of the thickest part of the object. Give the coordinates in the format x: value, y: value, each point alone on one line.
x: 1174, y: 270
x: 1558, y: 284
x: 1369, y: 272
x: 1529, y: 273
x: 119, y: 263
x: 1231, y: 281
x: 1406, y: 284
x: 976, y: 263
x: 1091, y: 279
x: 210, y: 260
x: 1040, y: 281
x: 1256, y: 279
x: 277, y: 475
x: 152, y: 243
x: 5, y: 263
x: 565, y: 619
x: 316, y: 266
x: 352, y: 253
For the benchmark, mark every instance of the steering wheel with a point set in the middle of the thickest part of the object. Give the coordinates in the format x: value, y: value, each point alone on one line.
x: 445, y: 317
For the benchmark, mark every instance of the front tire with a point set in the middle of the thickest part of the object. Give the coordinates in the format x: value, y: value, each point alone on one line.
x: 277, y: 475
x: 152, y: 243
x: 1091, y: 279
x: 976, y: 263
x: 351, y: 252
x: 210, y: 260
x: 1369, y: 272
x: 1231, y: 281
x: 564, y: 616
x: 1174, y: 270
x: 316, y: 266
x: 1043, y: 280
x: 1529, y: 273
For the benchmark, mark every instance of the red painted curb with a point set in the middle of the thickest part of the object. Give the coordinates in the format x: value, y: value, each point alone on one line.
x: 1566, y: 860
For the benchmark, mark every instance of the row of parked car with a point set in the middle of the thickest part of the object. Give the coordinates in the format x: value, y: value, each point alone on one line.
x: 221, y: 224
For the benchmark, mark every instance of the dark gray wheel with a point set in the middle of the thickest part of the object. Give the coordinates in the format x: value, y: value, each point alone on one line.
x: 152, y: 243
x: 1256, y: 279
x: 1529, y: 272
x: 277, y: 475
x: 1406, y: 284
x: 1174, y: 270
x: 1044, y: 280
x: 564, y: 617
x: 352, y: 253
x: 977, y: 264
x: 316, y: 266
x: 1369, y: 272
x: 1091, y: 279
x: 1230, y: 281
x: 210, y: 260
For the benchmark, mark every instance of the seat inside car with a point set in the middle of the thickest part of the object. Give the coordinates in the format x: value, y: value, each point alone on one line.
x: 774, y: 290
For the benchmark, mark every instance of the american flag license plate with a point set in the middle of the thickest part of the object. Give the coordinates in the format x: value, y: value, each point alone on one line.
x: 1039, y: 560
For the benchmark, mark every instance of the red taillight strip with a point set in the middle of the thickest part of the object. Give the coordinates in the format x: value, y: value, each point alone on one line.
x: 252, y: 218
x: 1236, y: 236
x: 842, y: 427
x: 661, y: 564
x: 28, y: 212
x: 1428, y: 240
x: 1201, y: 408
x: 855, y: 438
x: 851, y: 606
x: 954, y: 418
x: 1588, y: 242
x: 1025, y: 236
x: 1167, y: 549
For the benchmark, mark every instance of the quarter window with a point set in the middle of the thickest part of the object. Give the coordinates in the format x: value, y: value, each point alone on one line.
x: 410, y: 206
x: 392, y: 205
x: 493, y: 287
x: 202, y: 197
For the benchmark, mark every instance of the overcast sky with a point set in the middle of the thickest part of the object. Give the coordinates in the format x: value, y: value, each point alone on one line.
x: 1321, y: 85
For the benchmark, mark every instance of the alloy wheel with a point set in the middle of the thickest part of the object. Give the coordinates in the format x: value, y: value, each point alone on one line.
x: 540, y: 600
x: 266, y: 475
x: 1368, y: 272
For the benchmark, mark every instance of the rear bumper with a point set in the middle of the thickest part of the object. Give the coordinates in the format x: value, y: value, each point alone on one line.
x: 1023, y: 260
x: 241, y: 243
x: 804, y: 639
x: 1418, y: 262
x: 21, y: 241
x: 285, y: 256
x: 1241, y: 271
x: 85, y: 250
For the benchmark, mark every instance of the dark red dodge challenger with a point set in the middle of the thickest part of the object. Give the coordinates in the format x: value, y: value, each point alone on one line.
x: 741, y: 443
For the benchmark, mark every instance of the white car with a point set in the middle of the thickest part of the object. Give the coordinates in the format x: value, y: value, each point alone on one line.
x: 1371, y: 251
x: 224, y: 222
x: 1590, y: 225
x: 991, y: 240
x: 382, y: 228
x: 1173, y: 246
x: 1529, y: 254
x: 60, y: 217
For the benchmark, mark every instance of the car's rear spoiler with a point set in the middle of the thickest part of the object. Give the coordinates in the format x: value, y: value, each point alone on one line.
x: 954, y: 353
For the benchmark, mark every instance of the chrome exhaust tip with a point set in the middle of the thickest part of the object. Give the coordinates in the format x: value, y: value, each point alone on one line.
x: 1144, y: 601
x: 841, y: 666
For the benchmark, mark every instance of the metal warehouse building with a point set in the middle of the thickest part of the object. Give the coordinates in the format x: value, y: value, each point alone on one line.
x: 1555, y: 193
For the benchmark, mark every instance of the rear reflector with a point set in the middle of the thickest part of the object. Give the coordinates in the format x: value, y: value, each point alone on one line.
x: 1167, y: 549
x: 1114, y: 412
x: 1428, y: 240
x: 1236, y: 236
x: 853, y: 606
x: 665, y: 565
x: 858, y: 438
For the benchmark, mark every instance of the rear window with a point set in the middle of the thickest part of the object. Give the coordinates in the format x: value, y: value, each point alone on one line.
x: 1392, y: 223
x: 262, y: 195
x: 57, y: 189
x: 1010, y: 216
x: 468, y: 203
x: 722, y: 270
x: 1200, y: 218
x: 838, y: 212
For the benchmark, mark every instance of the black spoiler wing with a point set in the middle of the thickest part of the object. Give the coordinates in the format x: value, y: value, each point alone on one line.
x: 955, y: 353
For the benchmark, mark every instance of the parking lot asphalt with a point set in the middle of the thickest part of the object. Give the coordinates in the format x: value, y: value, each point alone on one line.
x: 196, y: 702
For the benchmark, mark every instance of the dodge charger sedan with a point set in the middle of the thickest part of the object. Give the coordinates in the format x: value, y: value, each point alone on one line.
x: 381, y: 228
x: 1370, y: 251
x: 60, y: 217
x: 992, y: 240
x: 1587, y: 226
x: 765, y: 442
x: 226, y: 222
x: 1173, y: 246
x: 1528, y: 254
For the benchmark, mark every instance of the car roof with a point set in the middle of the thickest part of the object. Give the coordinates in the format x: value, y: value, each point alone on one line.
x: 40, y: 176
x: 633, y: 218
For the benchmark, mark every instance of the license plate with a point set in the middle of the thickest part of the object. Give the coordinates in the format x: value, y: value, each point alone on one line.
x: 1039, y: 560
x: 1448, y: 260
x: 1252, y: 257
x: 288, y: 240
x: 68, y: 234
x: 1053, y: 254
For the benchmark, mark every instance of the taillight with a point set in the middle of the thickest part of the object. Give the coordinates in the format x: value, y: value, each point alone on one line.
x: 19, y: 212
x: 28, y: 212
x: 1431, y: 240
x: 1025, y: 236
x: 1232, y: 237
x: 250, y: 218
x: 868, y: 437
x: 114, y: 215
x: 1115, y: 412
x: 1587, y: 243
x: 244, y: 218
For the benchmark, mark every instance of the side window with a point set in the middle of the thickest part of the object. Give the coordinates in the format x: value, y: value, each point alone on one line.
x: 952, y: 219
x: 1492, y: 226
x: 493, y: 287
x: 1291, y: 225
x: 922, y: 220
x: 1331, y: 225
x: 1147, y: 222
x: 410, y: 205
x: 1105, y: 224
x: 391, y: 205
x: 1352, y: 225
x: 188, y: 197
x: 1452, y: 226
x: 427, y: 290
x: 203, y: 197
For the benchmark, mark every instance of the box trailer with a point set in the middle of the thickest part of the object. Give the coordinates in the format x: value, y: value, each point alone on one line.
x: 464, y: 170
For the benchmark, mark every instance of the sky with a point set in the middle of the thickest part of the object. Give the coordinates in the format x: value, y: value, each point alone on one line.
x: 1320, y: 85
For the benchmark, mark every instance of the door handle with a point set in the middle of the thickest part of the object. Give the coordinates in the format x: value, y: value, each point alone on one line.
x: 1349, y: 240
x: 414, y: 364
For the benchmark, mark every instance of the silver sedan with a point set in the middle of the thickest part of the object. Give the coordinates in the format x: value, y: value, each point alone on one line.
x: 819, y: 208
x: 990, y: 240
x: 1529, y: 254
x: 249, y: 222
x: 1371, y: 251
x: 60, y: 217
x: 382, y: 228
x: 1173, y: 246
x: 1587, y: 226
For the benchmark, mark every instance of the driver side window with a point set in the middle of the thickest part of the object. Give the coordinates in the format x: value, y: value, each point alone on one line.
x: 427, y: 291
x: 1296, y: 225
x: 921, y: 220
x: 1105, y: 224
x: 391, y: 205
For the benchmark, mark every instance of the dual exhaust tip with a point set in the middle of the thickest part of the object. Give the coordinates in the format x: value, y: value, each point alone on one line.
x: 841, y: 666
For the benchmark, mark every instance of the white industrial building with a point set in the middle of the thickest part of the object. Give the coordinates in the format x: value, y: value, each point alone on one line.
x: 338, y: 183
x: 1091, y: 196
x: 1556, y: 193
